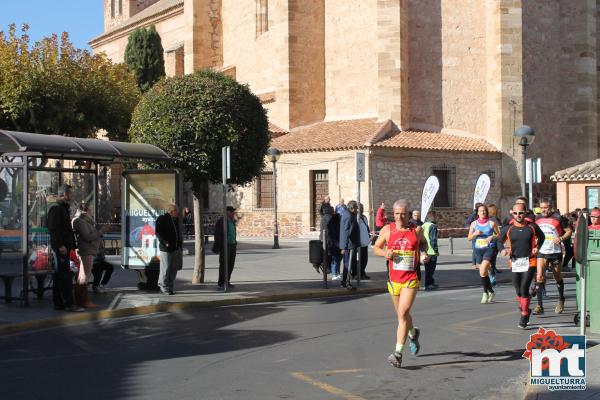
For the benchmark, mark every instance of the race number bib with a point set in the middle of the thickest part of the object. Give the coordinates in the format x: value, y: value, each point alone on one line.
x: 481, y: 243
x: 520, y: 264
x: 403, y: 260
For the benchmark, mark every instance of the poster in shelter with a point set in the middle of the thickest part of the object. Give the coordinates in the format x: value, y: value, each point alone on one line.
x: 146, y: 196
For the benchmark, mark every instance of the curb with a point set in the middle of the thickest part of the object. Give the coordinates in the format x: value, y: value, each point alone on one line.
x: 176, y: 306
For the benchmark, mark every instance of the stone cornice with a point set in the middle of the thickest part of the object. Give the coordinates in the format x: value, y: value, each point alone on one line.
x: 127, y: 28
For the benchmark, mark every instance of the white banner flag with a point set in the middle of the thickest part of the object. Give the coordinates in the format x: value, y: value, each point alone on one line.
x: 481, y: 189
x: 430, y: 189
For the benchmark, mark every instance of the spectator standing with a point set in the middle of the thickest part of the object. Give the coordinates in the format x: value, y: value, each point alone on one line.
x: 334, y: 255
x: 363, y: 225
x: 88, y: 240
x: 171, y: 248
x: 62, y: 241
x: 325, y: 206
x: 188, y: 221
x: 231, y: 244
x: 415, y: 218
x: 102, y: 270
x: 349, y: 239
x: 339, y: 209
x: 595, y: 218
x: 430, y: 231
x: 380, y: 221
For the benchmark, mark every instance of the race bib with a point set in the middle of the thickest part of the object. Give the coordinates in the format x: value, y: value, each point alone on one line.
x: 403, y: 260
x: 481, y: 243
x: 520, y: 264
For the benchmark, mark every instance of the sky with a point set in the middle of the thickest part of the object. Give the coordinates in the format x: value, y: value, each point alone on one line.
x: 82, y: 19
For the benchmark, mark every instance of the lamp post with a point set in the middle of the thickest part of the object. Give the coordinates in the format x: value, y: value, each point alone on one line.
x: 273, y: 155
x: 526, y: 135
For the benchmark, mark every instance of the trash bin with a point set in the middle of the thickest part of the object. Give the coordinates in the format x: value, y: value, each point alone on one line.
x: 592, y: 281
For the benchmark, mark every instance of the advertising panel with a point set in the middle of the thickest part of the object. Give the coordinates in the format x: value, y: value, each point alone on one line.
x: 146, y: 196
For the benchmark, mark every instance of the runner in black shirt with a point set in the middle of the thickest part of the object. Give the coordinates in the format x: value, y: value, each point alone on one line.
x: 525, y: 240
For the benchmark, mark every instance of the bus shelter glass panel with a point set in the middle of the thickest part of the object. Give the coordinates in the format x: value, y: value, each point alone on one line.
x: 11, y: 219
x: 43, y: 194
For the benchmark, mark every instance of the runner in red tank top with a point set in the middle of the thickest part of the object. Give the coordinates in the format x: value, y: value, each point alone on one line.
x: 404, y: 246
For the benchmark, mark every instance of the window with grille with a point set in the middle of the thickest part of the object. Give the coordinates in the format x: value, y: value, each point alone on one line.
x: 492, y: 176
x: 120, y: 7
x: 262, y: 17
x: 445, y: 197
x: 264, y: 190
x: 112, y: 8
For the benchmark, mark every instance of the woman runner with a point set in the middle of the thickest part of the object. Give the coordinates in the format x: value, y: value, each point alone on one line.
x: 483, y: 233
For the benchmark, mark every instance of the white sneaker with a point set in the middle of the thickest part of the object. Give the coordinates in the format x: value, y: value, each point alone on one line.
x: 484, y: 298
x: 99, y: 289
x: 491, y: 297
x: 336, y: 278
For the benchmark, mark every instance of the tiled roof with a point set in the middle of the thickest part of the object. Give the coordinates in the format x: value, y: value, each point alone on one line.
x: 360, y: 133
x: 323, y: 136
x: 589, y: 171
x: 160, y: 7
x: 276, y: 131
x: 421, y: 140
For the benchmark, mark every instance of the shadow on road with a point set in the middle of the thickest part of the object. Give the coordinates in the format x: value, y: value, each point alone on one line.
x: 499, y: 356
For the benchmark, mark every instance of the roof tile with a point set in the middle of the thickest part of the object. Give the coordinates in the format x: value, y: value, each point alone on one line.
x: 355, y: 134
x: 588, y: 171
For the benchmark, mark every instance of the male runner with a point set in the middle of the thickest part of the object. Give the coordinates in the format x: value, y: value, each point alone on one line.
x: 525, y: 240
x: 400, y: 243
x: 557, y: 230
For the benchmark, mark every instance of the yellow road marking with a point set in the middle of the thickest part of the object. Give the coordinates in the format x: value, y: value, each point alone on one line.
x: 336, y: 371
x: 325, y: 386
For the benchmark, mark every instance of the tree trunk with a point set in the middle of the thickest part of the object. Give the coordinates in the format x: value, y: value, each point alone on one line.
x: 199, y: 256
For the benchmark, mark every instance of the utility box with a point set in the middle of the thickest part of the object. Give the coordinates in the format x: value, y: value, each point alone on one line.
x: 592, y: 276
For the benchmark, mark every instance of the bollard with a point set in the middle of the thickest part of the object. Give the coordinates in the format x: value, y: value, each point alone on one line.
x: 451, y: 245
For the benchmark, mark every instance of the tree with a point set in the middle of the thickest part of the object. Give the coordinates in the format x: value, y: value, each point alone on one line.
x: 144, y: 56
x: 192, y: 117
x: 50, y: 87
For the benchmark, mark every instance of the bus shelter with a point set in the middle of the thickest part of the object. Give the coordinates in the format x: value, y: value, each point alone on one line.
x: 32, y: 167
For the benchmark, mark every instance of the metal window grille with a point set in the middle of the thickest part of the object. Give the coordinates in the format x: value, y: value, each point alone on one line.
x: 264, y: 190
x: 262, y: 17
x: 446, y: 195
x: 492, y: 175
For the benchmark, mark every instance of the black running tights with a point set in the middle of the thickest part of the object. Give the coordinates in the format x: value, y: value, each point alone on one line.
x: 522, y: 281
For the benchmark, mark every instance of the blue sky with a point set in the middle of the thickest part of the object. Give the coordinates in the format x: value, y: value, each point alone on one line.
x: 82, y: 19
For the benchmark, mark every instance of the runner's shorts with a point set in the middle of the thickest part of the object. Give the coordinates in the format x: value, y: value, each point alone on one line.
x: 395, y: 287
x: 483, y: 254
x: 556, y: 257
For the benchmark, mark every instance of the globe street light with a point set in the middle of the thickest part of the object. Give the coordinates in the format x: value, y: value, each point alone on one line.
x: 273, y: 155
x: 526, y: 135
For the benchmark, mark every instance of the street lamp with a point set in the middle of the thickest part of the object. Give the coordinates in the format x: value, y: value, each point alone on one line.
x: 526, y: 135
x: 273, y: 155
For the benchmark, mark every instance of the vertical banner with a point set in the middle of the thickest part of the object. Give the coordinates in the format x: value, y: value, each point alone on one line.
x: 482, y: 187
x: 146, y: 195
x: 432, y: 185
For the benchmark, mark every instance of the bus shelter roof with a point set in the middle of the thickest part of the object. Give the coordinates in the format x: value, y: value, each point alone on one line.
x: 64, y: 147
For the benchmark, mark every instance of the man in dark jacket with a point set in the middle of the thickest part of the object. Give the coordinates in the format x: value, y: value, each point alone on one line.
x: 170, y: 242
x: 349, y: 239
x: 62, y: 241
x: 219, y: 246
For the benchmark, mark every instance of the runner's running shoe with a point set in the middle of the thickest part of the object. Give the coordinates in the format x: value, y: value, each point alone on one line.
x: 395, y: 359
x: 560, y: 307
x: 538, y: 310
x: 413, y: 343
x: 484, y: 298
x: 523, y: 322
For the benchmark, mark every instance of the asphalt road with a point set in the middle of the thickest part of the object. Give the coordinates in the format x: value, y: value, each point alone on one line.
x: 320, y: 349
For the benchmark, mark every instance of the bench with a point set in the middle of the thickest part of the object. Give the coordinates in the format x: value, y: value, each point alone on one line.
x: 9, y: 277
